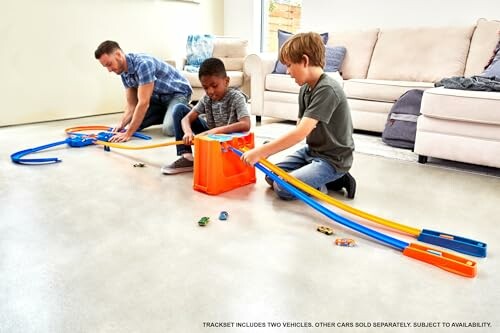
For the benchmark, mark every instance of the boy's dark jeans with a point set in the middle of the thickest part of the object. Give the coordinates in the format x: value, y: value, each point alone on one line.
x: 198, y: 126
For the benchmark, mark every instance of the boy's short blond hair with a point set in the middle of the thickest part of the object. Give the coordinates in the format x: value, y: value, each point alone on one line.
x: 308, y: 43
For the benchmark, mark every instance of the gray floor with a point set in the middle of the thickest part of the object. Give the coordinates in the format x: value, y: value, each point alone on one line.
x: 94, y: 244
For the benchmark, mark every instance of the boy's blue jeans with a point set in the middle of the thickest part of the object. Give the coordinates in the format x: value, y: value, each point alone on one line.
x: 179, y: 111
x: 314, y: 171
x: 160, y: 111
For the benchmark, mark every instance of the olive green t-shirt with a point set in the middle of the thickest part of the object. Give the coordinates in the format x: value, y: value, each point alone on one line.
x: 332, y: 138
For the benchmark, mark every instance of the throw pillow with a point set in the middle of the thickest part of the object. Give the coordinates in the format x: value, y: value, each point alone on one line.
x: 493, y: 69
x: 283, y: 35
x: 334, y: 56
x: 198, y: 48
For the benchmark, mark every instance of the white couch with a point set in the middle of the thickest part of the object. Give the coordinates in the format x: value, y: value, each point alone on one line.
x: 232, y: 51
x: 380, y: 65
x: 463, y: 125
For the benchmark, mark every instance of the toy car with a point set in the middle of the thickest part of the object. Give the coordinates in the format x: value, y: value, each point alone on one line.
x: 140, y: 165
x: 223, y: 215
x: 203, y: 221
x: 326, y: 230
x: 345, y: 242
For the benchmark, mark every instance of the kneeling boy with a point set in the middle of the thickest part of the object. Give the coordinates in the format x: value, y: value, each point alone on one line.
x: 225, y: 111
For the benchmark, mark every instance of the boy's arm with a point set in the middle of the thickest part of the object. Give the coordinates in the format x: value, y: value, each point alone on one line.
x: 243, y: 125
x: 186, y: 126
x: 303, y: 128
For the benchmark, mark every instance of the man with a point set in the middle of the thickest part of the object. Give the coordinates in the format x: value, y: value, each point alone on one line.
x: 153, y: 88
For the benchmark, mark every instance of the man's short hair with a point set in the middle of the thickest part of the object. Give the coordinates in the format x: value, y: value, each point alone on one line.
x: 308, y: 43
x: 106, y: 47
x: 212, y: 67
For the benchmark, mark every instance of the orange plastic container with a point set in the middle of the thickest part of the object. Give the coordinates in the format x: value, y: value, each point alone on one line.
x: 216, y: 168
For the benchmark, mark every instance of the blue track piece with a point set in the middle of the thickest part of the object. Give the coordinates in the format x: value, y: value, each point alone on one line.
x: 75, y: 140
x: 80, y: 141
x: 457, y: 243
x: 393, y: 242
x: 141, y: 136
x: 18, y: 156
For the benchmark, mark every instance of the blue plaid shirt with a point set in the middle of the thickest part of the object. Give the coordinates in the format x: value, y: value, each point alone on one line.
x: 143, y: 69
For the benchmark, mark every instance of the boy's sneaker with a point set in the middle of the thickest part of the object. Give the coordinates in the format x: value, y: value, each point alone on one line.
x: 346, y: 181
x: 180, y: 165
x: 269, y: 181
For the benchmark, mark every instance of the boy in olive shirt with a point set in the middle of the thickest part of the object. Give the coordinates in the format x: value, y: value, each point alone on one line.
x: 324, y: 120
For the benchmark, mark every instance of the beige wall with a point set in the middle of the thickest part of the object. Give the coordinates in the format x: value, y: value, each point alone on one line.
x: 47, y: 46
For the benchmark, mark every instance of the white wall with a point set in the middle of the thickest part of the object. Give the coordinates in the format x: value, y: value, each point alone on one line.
x: 47, y: 50
x: 242, y: 19
x: 361, y: 14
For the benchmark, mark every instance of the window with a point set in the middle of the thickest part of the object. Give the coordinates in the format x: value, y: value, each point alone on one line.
x: 278, y: 14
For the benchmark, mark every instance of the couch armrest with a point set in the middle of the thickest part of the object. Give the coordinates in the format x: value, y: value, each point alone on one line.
x: 257, y: 66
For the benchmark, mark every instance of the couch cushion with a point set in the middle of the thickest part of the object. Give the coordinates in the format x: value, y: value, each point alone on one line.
x: 334, y: 56
x: 285, y: 83
x: 420, y: 54
x: 482, y: 45
x: 493, y: 69
x: 235, y: 78
x: 380, y: 90
x: 232, y: 51
x: 462, y: 105
x: 460, y: 128
x: 359, y: 46
x: 283, y: 35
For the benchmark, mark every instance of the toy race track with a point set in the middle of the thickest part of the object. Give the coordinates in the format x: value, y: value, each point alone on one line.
x: 456, y: 243
x: 78, y: 140
x: 444, y: 260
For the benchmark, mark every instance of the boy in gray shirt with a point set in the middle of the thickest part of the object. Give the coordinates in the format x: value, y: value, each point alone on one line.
x: 224, y: 108
x: 324, y: 121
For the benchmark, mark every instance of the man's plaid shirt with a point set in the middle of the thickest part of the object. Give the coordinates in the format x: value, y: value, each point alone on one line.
x: 143, y: 69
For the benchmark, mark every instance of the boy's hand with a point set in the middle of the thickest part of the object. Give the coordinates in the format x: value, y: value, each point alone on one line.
x: 252, y: 156
x: 188, y: 138
x: 211, y: 131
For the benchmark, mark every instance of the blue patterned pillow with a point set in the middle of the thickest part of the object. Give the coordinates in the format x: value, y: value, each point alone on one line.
x: 283, y: 35
x: 493, y: 69
x: 334, y: 56
x: 198, y: 48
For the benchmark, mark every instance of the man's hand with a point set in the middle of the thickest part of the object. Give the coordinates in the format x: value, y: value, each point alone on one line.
x: 120, y: 137
x: 117, y: 129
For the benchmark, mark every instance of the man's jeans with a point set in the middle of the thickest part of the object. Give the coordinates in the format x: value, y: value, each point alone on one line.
x: 314, y: 171
x: 198, y: 126
x: 160, y: 112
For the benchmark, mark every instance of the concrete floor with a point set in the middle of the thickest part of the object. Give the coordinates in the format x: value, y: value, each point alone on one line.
x: 94, y: 244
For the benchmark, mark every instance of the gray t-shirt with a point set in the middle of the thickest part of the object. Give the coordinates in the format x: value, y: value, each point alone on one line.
x: 332, y: 138
x: 229, y: 110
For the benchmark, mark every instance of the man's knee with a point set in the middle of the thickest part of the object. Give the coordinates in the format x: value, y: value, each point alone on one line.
x: 173, y: 116
x: 168, y: 130
x: 179, y: 111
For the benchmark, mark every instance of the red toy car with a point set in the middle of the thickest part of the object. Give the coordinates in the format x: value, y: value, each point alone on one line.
x: 345, y: 242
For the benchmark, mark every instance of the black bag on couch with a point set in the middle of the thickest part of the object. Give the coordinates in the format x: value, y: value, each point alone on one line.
x: 401, y: 126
